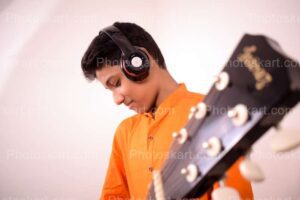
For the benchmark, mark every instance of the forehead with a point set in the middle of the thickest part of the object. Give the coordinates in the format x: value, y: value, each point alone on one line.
x: 106, y: 72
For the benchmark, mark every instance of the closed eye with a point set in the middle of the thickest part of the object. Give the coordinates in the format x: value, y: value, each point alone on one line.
x: 114, y: 83
x: 118, y: 83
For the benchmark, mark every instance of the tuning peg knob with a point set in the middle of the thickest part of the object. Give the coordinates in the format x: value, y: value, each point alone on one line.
x: 192, y: 111
x: 285, y: 141
x: 251, y: 171
x: 158, y: 186
x: 181, y: 136
x: 213, y: 146
x: 202, y: 110
x: 239, y: 115
x: 222, y: 81
x: 199, y: 111
x: 191, y: 172
x: 225, y: 193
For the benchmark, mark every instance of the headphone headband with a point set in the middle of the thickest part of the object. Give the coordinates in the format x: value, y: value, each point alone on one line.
x: 119, y: 39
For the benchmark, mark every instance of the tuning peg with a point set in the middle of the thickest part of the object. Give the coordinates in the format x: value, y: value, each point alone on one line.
x: 221, y: 81
x: 239, y: 114
x: 191, y: 172
x: 213, y: 146
x: 202, y: 110
x: 192, y: 111
x: 225, y: 193
x: 182, y: 136
x: 250, y: 170
x: 158, y: 185
x: 285, y: 140
x: 199, y: 111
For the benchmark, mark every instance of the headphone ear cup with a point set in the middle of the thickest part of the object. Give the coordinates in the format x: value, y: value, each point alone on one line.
x: 136, y: 66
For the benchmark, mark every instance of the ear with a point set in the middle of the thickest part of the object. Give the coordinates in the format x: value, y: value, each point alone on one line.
x: 151, y: 59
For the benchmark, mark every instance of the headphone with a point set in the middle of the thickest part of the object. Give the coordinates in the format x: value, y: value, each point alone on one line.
x: 135, y: 63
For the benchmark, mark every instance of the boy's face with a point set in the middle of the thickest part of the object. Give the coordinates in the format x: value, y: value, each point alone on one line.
x: 138, y: 96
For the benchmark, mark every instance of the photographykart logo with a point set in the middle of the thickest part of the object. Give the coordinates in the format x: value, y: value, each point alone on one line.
x: 142, y: 155
x: 156, y: 111
x: 112, y: 62
x: 130, y: 198
x: 35, y: 198
x: 137, y: 154
x: 19, y: 18
x: 168, y: 198
x: 223, y: 110
x: 281, y: 156
x: 274, y: 18
x: 36, y: 155
x: 265, y: 63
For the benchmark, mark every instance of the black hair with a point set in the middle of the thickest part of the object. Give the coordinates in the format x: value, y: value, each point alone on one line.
x: 103, y: 48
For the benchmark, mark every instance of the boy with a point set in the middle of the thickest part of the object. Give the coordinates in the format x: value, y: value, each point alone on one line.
x: 128, y: 62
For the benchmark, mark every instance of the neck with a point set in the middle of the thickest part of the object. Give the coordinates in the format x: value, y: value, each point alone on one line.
x: 167, y: 86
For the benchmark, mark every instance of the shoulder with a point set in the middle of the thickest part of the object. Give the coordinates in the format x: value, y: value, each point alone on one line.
x: 126, y: 126
x: 195, y: 95
x: 129, y: 122
x: 192, y: 97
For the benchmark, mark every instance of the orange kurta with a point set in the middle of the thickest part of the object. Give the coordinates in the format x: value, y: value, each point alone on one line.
x: 141, y: 144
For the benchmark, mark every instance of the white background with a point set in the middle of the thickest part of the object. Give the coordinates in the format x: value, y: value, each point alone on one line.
x: 56, y: 129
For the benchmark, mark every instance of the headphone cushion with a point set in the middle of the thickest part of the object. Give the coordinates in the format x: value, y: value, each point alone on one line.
x: 135, y: 72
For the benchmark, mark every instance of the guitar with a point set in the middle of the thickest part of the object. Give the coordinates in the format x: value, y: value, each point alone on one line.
x: 255, y: 90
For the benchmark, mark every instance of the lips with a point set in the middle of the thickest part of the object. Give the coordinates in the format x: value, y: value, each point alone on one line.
x: 129, y: 104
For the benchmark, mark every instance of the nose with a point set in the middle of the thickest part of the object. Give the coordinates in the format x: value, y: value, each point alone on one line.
x: 118, y: 98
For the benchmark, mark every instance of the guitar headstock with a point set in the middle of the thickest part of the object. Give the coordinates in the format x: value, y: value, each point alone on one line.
x: 254, y: 91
